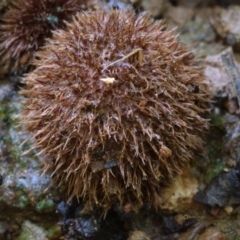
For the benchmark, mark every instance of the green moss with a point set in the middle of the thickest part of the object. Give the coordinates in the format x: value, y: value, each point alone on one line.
x: 5, y: 115
x: 214, y: 168
x: 218, y: 121
x: 15, y: 154
x: 54, y: 232
x: 2, y: 110
x: 45, y: 205
x: 20, y: 186
x: 23, y: 201
x: 215, y: 144
x: 22, y: 163
x: 6, y: 139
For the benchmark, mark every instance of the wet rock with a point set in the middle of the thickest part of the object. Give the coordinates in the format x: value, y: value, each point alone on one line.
x: 3, y: 228
x: 224, y: 22
x: 28, y: 189
x: 155, y: 7
x: 168, y: 237
x: 76, y: 224
x: 170, y: 225
x: 211, y: 233
x: 187, y: 3
x: 178, y: 16
x: 223, y: 73
x: 6, y: 92
x: 233, y: 73
x: 205, y: 3
x: 217, y: 76
x: 23, y: 187
x: 113, y: 227
x: 24, y: 184
x: 222, y: 191
x: 1, y: 179
x: 31, y: 231
x: 199, y: 34
x: 64, y: 210
x: 115, y: 4
x: 178, y: 196
x: 232, y: 138
x: 138, y: 235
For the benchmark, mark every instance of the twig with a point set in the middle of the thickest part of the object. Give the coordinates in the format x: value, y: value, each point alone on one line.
x: 140, y: 58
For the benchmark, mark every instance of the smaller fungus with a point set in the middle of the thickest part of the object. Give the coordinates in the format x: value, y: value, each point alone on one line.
x: 27, y: 23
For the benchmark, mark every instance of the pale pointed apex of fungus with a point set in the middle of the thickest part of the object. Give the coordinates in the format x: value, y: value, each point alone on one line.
x: 108, y: 80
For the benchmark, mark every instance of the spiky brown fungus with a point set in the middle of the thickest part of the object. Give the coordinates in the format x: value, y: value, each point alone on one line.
x: 27, y: 23
x: 113, y: 106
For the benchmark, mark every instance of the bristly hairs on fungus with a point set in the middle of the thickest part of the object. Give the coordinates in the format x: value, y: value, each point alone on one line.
x: 112, y: 105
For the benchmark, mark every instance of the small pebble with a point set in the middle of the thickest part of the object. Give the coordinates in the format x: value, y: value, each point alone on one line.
x: 228, y: 209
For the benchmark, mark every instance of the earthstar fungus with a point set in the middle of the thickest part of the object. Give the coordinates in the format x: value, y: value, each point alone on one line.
x: 113, y: 107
